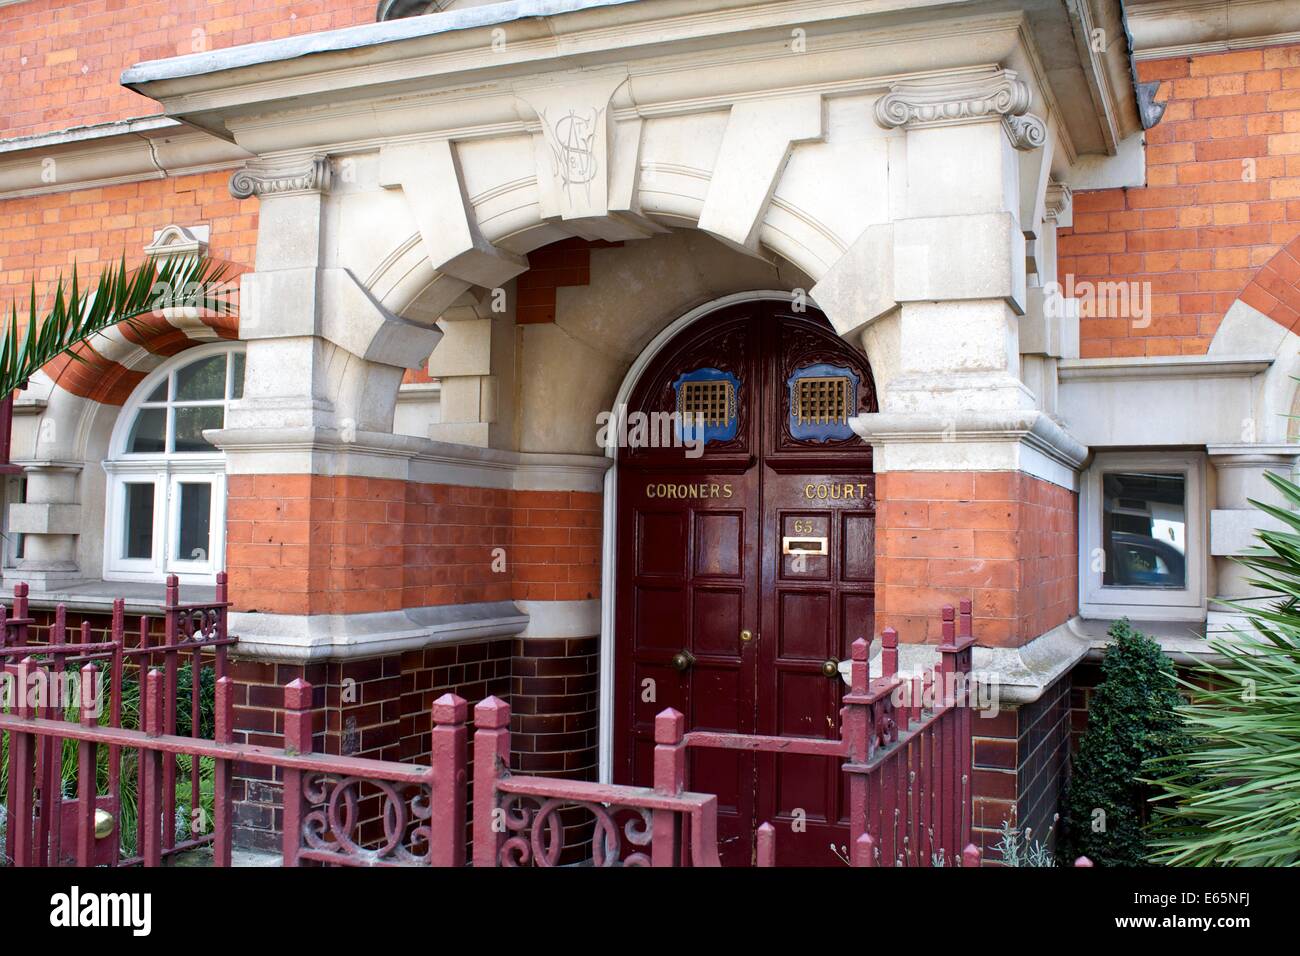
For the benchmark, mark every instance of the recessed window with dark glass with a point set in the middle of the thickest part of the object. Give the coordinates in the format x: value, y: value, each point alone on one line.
x: 1144, y: 530
x: 176, y: 412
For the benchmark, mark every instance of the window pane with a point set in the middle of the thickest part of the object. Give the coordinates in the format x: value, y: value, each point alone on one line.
x: 1144, y: 530
x: 147, y: 432
x: 204, y: 379
x: 159, y: 394
x: 194, y: 514
x: 190, y: 423
x: 237, y: 375
x: 139, y: 521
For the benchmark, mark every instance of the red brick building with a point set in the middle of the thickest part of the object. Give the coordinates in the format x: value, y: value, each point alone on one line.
x: 1010, y: 321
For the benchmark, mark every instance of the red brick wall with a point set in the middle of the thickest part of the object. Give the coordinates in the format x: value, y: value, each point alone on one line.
x: 302, y: 544
x: 41, y: 237
x: 563, y: 263
x: 60, y: 62
x: 1005, y: 540
x: 1222, y: 197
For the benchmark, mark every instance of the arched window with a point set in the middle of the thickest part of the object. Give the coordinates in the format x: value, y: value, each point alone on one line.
x: 166, y: 496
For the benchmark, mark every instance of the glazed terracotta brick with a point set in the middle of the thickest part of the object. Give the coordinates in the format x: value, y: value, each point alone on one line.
x: 1221, y: 200
x: 563, y: 263
x: 1021, y: 758
x: 60, y: 63
x: 303, y: 544
x: 1005, y: 540
x: 378, y: 708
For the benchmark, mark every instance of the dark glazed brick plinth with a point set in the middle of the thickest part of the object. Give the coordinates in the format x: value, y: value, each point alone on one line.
x: 380, y: 708
x: 1021, y: 760
x: 554, y: 725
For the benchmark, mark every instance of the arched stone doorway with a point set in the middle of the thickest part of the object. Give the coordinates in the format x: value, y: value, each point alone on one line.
x: 745, y: 560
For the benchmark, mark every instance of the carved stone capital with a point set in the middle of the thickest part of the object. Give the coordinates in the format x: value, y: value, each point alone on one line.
x: 263, y: 181
x: 1057, y: 202
x: 1026, y: 132
x: 949, y: 101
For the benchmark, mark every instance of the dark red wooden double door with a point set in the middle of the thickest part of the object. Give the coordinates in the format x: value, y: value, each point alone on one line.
x: 746, y: 564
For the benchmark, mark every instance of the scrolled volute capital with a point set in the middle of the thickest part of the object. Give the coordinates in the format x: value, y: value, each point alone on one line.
x: 954, y: 100
x: 263, y: 181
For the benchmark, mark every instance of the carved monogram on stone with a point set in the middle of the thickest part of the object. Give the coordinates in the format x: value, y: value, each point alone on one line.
x: 572, y: 138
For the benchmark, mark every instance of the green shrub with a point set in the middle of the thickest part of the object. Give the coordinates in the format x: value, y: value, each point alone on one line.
x: 1231, y: 797
x: 1132, y: 719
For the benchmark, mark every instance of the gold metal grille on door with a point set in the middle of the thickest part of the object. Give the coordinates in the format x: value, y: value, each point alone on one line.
x: 822, y: 400
x: 708, y: 403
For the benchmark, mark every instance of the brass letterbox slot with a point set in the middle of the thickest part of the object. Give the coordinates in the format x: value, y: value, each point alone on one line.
x: 803, y: 545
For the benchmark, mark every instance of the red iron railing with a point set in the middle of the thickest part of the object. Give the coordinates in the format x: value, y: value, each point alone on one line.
x: 517, y: 818
x: 908, y: 760
x: 906, y: 745
x: 40, y: 675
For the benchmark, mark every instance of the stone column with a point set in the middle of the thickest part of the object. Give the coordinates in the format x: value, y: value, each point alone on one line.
x: 51, y: 520
x: 976, y: 482
x: 1240, y: 470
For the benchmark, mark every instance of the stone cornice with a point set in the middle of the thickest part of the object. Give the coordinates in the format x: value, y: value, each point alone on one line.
x: 433, y: 73
x: 263, y: 181
x: 404, y: 457
x: 108, y: 154
x: 1167, y: 28
x: 1143, y: 368
x: 1028, y: 440
x: 318, y: 637
x: 948, y: 101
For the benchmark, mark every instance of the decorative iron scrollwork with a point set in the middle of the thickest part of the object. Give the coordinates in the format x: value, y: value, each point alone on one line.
x: 537, y: 833
x: 331, y: 825
x: 203, y: 622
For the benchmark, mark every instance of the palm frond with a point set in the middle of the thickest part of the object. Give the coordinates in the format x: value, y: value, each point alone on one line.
x: 120, y: 296
x: 1232, y: 796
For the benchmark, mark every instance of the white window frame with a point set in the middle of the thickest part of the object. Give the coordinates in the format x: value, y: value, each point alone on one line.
x: 165, y: 471
x: 1144, y: 604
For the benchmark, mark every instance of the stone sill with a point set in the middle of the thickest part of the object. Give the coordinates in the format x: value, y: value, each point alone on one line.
x: 1186, y: 642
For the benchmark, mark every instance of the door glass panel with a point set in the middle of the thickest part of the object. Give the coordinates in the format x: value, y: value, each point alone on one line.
x: 139, y: 521
x: 194, y: 517
x: 1144, y: 530
x: 147, y: 434
x: 203, y: 380
x: 159, y: 394
x: 190, y: 423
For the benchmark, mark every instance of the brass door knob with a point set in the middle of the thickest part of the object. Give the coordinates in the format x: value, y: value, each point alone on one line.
x: 746, y: 635
x: 831, y: 667
x: 683, y: 660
